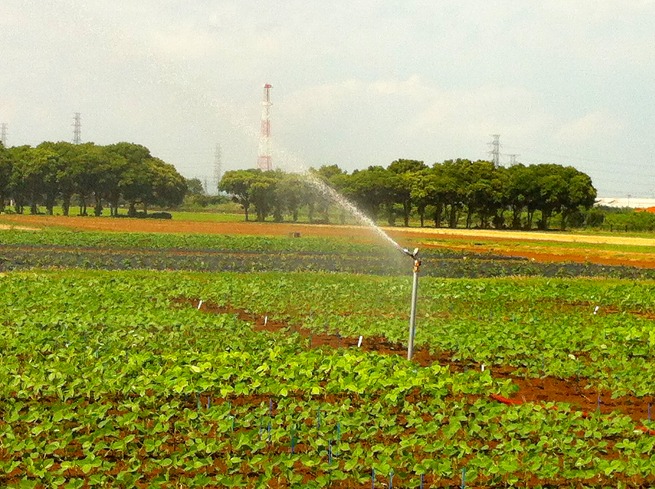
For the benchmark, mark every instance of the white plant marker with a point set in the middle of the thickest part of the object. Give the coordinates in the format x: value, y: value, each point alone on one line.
x: 596, y: 309
x: 482, y: 367
x: 199, y: 304
x: 265, y: 320
x: 359, y: 343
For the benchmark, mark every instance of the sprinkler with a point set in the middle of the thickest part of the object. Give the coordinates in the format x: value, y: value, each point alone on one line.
x: 411, y: 254
x: 412, y: 315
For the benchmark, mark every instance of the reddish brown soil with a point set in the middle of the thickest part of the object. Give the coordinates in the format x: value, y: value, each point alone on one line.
x: 188, y: 227
x: 541, y: 390
x: 562, y: 255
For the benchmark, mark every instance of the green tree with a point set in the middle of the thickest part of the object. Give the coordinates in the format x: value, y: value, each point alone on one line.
x: 132, y: 152
x: 454, y: 185
x: 6, y: 166
x: 483, y: 191
x: 84, y: 175
x: 291, y: 193
x: 168, y: 186
x: 518, y: 191
x: 195, y: 187
x: 423, y: 185
x: 318, y: 199
x: 372, y: 189
x: 196, y: 196
x: 34, y: 178
x: 262, y: 195
x: 66, y: 175
x: 106, y: 169
x: 574, y: 192
x: 406, y: 170
x: 136, y: 185
x: 238, y: 184
x: 135, y: 176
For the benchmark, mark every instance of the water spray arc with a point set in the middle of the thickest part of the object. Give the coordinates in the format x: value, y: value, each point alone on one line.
x: 412, y: 314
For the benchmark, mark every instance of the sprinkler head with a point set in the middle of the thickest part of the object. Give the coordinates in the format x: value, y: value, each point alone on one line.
x: 410, y: 253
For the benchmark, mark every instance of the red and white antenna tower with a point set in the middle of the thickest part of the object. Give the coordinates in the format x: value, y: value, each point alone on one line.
x: 264, y: 161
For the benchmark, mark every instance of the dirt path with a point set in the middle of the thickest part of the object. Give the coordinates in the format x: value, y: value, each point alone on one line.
x: 5, y: 227
x: 561, y: 237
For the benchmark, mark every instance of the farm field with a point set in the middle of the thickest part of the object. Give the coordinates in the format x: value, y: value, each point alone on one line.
x: 175, y: 358
x: 549, y: 247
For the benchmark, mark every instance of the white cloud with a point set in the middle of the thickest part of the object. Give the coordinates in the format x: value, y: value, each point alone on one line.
x: 412, y: 117
x: 355, y: 83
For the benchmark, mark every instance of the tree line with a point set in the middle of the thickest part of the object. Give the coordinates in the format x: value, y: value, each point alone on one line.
x: 89, y: 174
x: 473, y: 193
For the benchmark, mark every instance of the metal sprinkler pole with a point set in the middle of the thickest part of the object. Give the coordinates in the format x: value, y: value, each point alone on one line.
x: 412, y: 314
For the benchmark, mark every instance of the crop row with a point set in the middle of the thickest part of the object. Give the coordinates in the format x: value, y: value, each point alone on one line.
x: 436, y: 263
x: 565, y: 328
x: 205, y: 440
x: 169, y: 241
x: 106, y: 382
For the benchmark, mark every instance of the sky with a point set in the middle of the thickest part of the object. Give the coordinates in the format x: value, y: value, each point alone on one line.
x: 355, y: 83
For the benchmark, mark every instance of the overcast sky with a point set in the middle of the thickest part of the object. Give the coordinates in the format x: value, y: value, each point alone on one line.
x: 356, y: 82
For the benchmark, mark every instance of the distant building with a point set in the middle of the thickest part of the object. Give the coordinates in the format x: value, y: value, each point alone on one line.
x: 620, y: 202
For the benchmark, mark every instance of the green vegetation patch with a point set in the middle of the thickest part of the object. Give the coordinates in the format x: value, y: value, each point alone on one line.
x: 20, y: 250
x: 107, y: 380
